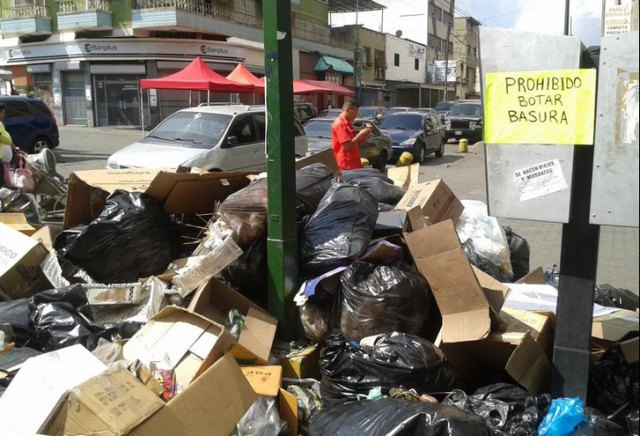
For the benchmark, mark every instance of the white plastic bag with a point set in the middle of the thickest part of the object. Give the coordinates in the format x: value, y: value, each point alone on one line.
x: 23, y: 178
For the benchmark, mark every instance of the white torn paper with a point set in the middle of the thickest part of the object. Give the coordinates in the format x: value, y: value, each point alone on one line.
x: 540, y: 179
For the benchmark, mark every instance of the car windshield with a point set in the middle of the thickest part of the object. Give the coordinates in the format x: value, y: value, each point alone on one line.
x: 443, y: 106
x: 317, y: 129
x: 330, y: 113
x: 192, y: 129
x: 366, y: 112
x: 467, y: 110
x: 395, y: 110
x: 403, y: 122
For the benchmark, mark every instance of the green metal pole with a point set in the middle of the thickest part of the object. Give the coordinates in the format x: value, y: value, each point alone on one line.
x: 282, y: 243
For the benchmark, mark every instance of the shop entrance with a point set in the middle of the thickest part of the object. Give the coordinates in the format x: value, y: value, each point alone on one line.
x: 117, y: 100
x: 73, y: 98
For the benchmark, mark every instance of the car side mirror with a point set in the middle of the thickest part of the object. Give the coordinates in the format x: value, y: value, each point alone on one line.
x: 231, y: 141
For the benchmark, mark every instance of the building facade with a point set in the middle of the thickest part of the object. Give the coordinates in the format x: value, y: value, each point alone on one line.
x: 465, y: 52
x: 85, y: 58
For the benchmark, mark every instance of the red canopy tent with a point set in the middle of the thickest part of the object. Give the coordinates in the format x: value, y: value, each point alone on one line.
x: 303, y: 86
x: 241, y: 74
x: 196, y: 76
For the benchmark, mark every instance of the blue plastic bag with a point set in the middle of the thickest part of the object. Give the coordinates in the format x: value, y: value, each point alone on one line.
x: 564, y: 415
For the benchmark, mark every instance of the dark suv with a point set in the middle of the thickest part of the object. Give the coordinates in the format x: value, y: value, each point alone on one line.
x: 30, y: 123
x: 465, y: 121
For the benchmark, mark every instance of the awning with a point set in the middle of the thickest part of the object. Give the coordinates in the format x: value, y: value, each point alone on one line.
x: 6, y: 75
x: 354, y: 6
x: 329, y: 63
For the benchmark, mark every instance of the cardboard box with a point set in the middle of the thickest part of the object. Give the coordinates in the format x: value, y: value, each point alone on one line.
x: 211, y: 405
x: 404, y: 176
x: 17, y: 221
x: 46, y: 235
x: 20, y: 257
x: 215, y: 299
x: 437, y: 253
x: 40, y: 386
x: 112, y: 403
x: 435, y: 199
x: 178, y: 192
x: 299, y: 363
x: 183, y: 341
x: 616, y: 326
x: 516, y: 353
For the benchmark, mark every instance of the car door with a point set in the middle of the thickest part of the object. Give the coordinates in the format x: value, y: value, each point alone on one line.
x: 432, y: 136
x: 243, y: 145
x: 18, y: 122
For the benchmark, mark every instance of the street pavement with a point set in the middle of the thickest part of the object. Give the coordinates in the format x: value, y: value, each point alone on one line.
x: 88, y: 148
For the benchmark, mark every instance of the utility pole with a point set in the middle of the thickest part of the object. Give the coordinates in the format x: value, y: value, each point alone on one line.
x: 446, y: 61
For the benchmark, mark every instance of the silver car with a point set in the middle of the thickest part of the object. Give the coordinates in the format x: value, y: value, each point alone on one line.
x: 213, y: 138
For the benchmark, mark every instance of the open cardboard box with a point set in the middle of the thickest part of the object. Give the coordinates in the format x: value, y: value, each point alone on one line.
x: 435, y: 199
x: 178, y: 192
x: 215, y: 299
x: 20, y: 258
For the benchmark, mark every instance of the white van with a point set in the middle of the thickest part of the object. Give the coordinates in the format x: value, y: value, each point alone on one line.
x: 213, y: 138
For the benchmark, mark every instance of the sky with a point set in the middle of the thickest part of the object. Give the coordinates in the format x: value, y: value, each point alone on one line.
x: 541, y: 16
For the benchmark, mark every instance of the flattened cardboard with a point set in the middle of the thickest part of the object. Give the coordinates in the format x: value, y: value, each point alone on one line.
x: 39, y: 387
x: 215, y: 299
x: 17, y: 221
x: 404, y: 176
x: 211, y: 405
x: 615, y: 326
x: 20, y: 272
x: 437, y: 253
x: 264, y: 379
x: 437, y: 201
x: 325, y: 157
x: 180, y: 339
x: 178, y: 192
x: 112, y: 403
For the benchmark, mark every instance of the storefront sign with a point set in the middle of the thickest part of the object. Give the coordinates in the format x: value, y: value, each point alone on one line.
x: 118, y: 49
x: 540, y: 107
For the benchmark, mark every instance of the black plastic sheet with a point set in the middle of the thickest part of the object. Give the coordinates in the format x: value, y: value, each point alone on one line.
x: 507, y: 409
x: 339, y: 231
x: 312, y: 183
x: 597, y: 424
x: 350, y: 371
x: 520, y: 253
x: 396, y: 417
x: 248, y: 273
x: 608, y: 296
x: 245, y: 212
x: 16, y: 314
x: 381, y: 299
x: 130, y: 239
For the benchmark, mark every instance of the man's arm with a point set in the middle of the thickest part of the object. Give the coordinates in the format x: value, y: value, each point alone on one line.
x: 358, y: 139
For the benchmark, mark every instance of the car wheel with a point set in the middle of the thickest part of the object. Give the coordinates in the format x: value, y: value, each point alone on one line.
x: 39, y: 144
x: 381, y: 162
x: 420, y: 153
x: 440, y: 151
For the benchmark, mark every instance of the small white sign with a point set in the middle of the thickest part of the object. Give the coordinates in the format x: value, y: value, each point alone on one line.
x: 540, y: 179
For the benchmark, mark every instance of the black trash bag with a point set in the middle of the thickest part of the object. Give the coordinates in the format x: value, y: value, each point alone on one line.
x: 245, y: 212
x: 481, y: 262
x: 375, y: 183
x: 350, y: 370
x: 382, y: 299
x: 340, y: 230
x: 16, y: 314
x: 598, y: 425
x: 507, y: 409
x: 614, y: 385
x: 390, y: 416
x: 608, y: 296
x: 552, y: 276
x: 18, y: 201
x: 132, y: 238
x: 633, y: 423
x: 312, y: 183
x: 61, y: 317
x: 520, y: 253
x: 248, y: 273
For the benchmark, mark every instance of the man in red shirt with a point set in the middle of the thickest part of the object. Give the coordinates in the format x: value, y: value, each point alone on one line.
x: 345, y: 142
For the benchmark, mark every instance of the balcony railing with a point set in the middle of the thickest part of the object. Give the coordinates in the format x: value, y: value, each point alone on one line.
x: 237, y: 15
x: 27, y: 11
x: 71, y: 7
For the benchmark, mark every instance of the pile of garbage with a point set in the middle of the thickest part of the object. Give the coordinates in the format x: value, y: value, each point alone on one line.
x: 145, y: 312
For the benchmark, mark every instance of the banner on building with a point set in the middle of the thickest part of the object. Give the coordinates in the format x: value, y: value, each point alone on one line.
x: 436, y: 72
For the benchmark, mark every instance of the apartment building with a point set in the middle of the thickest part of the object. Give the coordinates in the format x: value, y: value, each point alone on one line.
x: 465, y: 54
x: 85, y: 57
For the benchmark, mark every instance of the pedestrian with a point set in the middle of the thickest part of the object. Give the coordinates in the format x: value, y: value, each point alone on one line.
x: 345, y: 142
x: 8, y: 150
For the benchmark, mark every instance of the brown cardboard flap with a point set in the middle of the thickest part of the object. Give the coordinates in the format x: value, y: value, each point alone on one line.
x: 495, y: 291
x: 615, y: 326
x: 630, y: 350
x: 17, y: 221
x: 213, y: 404
x: 437, y: 253
x: 529, y: 366
x: 325, y: 157
x: 265, y: 380
x: 404, y: 176
x: 288, y: 409
x: 535, y: 277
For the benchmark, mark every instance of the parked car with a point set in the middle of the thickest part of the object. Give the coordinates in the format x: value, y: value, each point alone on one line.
x: 375, y: 114
x: 377, y: 148
x: 426, y: 110
x: 465, y: 121
x: 30, y: 123
x: 443, y: 108
x: 394, y: 109
x: 304, y: 111
x: 213, y: 138
x: 418, y: 133
x: 330, y: 113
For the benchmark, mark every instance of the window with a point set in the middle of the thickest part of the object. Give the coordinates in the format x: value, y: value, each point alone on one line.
x: 17, y: 109
x: 396, y: 59
x: 366, y: 57
x: 243, y: 129
x: 416, y: 64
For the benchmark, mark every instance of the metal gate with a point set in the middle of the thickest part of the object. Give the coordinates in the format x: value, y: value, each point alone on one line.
x: 73, y: 98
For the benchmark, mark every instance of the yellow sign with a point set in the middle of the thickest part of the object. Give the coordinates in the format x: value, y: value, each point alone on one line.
x: 540, y: 107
